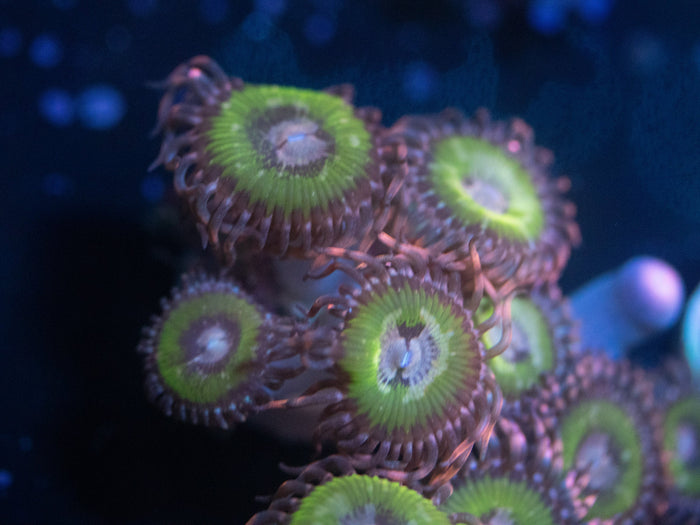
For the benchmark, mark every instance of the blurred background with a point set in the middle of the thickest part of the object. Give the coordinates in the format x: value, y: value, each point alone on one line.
x: 91, y: 239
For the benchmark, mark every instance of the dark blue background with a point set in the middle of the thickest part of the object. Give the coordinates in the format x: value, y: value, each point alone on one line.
x: 90, y: 242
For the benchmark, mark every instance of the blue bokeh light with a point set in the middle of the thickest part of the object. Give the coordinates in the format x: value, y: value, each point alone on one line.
x: 419, y: 81
x: 6, y: 479
x: 547, y: 16
x: 101, y: 107
x: 594, y: 11
x: 46, y: 51
x: 57, y: 107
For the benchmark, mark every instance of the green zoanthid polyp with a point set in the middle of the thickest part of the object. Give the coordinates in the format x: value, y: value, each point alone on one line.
x: 286, y: 168
x: 292, y: 150
x: 359, y: 499
x: 207, y: 355
x: 483, y: 186
x: 609, y: 426
x: 499, y: 500
x: 415, y: 391
x: 600, y: 436
x: 406, y: 352
x: 428, y: 219
x: 542, y: 336
x: 205, y: 343
x: 515, y: 483
x: 483, y: 183
x: 530, y: 352
x: 681, y: 442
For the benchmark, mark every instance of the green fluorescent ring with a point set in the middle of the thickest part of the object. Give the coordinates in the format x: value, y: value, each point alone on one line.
x: 685, y: 412
x: 364, y: 499
x: 607, y: 418
x: 530, y: 329
x: 171, y: 354
x: 458, y: 159
x: 454, y: 366
x: 513, y: 500
x: 231, y: 147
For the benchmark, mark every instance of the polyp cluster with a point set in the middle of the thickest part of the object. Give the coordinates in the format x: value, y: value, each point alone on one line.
x: 452, y: 389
